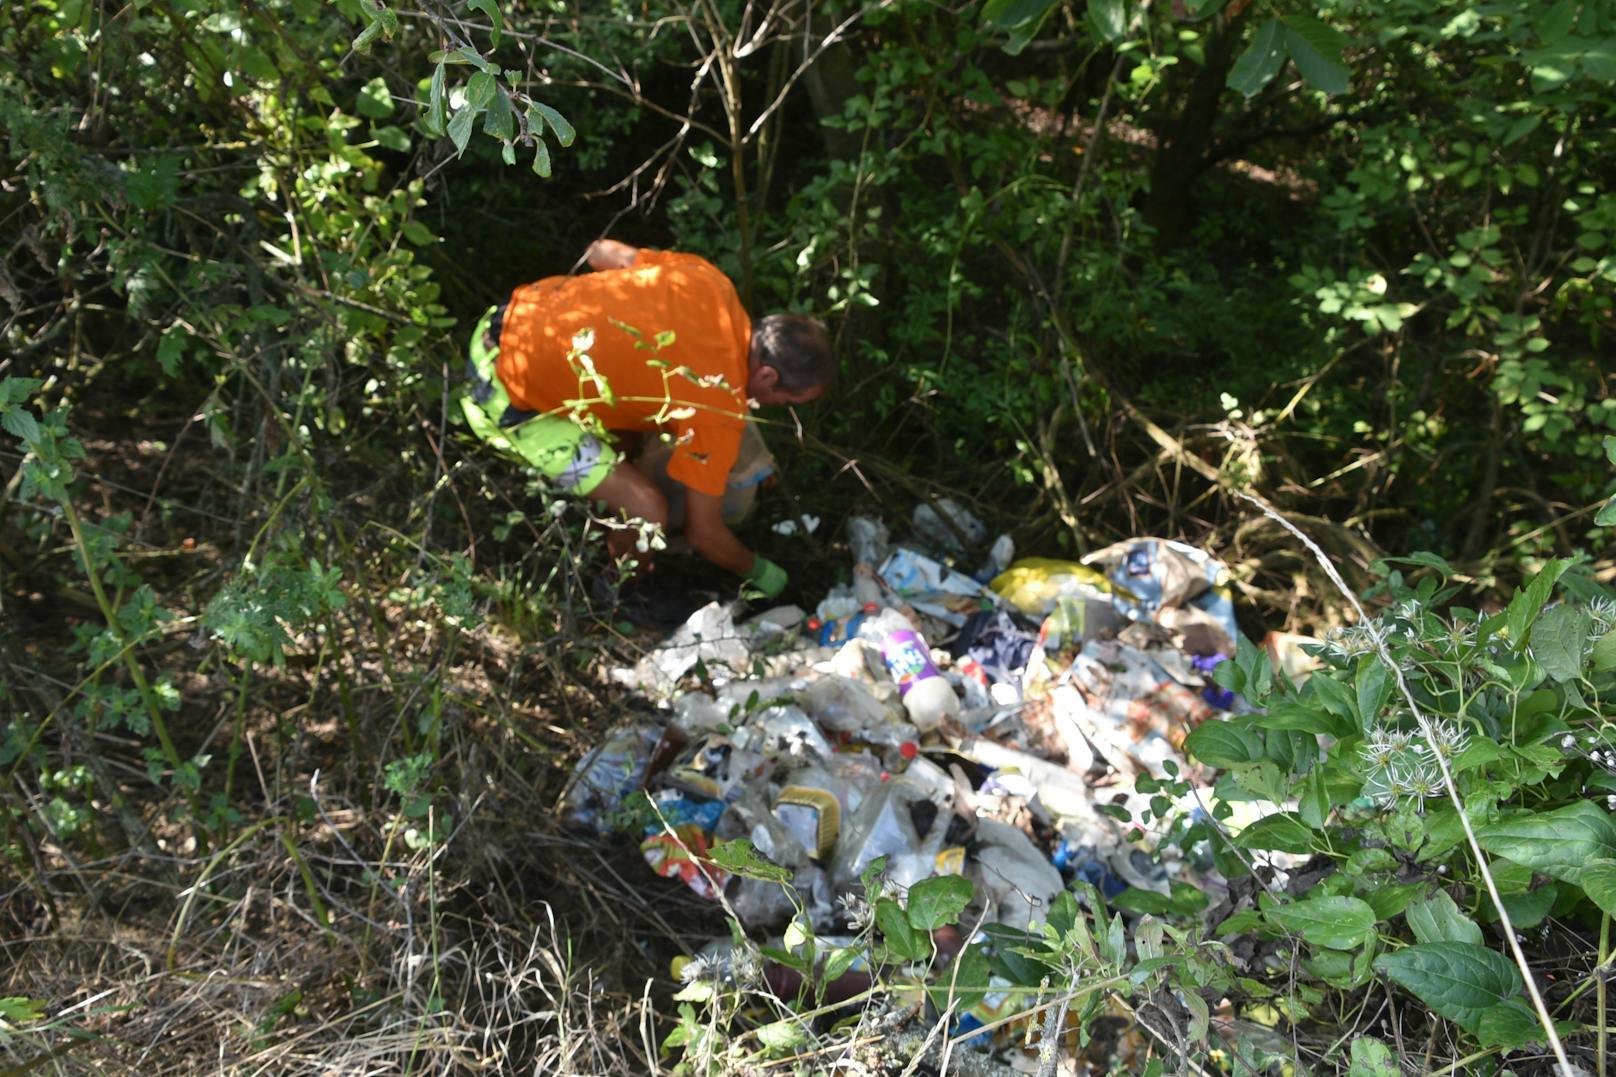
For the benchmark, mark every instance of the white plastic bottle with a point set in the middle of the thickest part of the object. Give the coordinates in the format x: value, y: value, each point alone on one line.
x: 927, y: 695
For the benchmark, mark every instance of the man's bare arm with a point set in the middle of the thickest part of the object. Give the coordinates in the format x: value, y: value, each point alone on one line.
x: 610, y: 254
x: 710, y: 537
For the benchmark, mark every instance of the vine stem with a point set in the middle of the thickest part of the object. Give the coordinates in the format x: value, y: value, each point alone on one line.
x: 1448, y: 784
x: 135, y: 672
x: 1599, y: 989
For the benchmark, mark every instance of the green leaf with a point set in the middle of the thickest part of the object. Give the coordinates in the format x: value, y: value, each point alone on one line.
x: 14, y: 390
x: 391, y: 137
x: 1316, y: 49
x: 739, y: 858
x: 1261, y: 61
x: 1305, y: 717
x: 1604, y: 654
x: 460, y: 128
x: 1314, y: 803
x: 1459, y: 980
x: 1531, y: 908
x: 374, y: 100
x: 1284, y: 832
x: 1340, y: 923
x: 418, y: 233
x: 20, y: 423
x: 1012, y: 14
x: 1559, y: 843
x: 900, y: 935
x: 491, y: 9
x: 437, y: 97
x: 1511, y: 1024
x: 480, y: 90
x: 1438, y: 919
x: 1522, y: 127
x: 1374, y: 687
x: 1109, y: 19
x: 778, y: 1035
x: 558, y: 123
x: 938, y: 901
x: 541, y: 158
x: 1530, y: 600
x: 1599, y: 883
x: 965, y: 986
x: 500, y: 121
x: 1224, y: 744
x: 1371, y: 1058
x: 1557, y: 638
x: 1607, y: 515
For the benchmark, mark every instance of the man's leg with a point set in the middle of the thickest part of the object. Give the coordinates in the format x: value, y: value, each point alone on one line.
x: 627, y: 492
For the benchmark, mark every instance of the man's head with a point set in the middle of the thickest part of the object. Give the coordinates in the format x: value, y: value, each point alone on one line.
x: 791, y: 360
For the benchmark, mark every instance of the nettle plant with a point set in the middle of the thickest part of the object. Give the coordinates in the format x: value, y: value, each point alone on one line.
x: 1380, y: 877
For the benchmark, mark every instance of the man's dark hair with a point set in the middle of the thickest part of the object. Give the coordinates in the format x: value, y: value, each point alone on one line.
x: 798, y: 347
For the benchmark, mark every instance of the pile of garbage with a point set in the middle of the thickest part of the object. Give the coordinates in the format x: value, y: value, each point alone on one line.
x: 1008, y: 754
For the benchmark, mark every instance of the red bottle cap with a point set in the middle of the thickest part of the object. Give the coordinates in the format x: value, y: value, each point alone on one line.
x: 871, y: 607
x: 815, y: 624
x: 908, y: 749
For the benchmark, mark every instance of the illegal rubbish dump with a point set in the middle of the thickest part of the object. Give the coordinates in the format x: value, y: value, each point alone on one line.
x: 842, y: 762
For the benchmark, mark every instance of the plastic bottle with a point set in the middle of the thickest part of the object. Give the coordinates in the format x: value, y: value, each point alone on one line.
x: 831, y: 631
x: 926, y: 695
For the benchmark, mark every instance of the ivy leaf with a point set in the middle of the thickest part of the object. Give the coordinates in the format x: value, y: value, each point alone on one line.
x: 1557, y: 639
x: 558, y: 123
x: 1438, y: 919
x: 1560, y: 843
x: 1261, y: 61
x: 1339, y: 923
x: 1316, y: 48
x: 491, y: 9
x: 1459, y: 980
x: 938, y: 901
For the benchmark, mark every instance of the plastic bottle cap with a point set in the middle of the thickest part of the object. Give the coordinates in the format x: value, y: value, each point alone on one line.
x: 908, y: 749
x: 871, y: 607
x: 815, y: 624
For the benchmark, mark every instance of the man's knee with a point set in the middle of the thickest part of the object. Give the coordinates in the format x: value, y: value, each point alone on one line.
x: 628, y: 491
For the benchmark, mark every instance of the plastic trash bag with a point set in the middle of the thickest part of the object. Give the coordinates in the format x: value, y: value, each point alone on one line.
x: 1033, y: 584
x: 607, y: 775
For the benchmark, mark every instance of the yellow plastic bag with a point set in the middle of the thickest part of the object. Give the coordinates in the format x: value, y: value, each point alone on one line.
x: 1033, y: 584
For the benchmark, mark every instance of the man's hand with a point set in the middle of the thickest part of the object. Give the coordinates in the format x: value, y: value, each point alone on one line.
x: 767, y: 577
x: 610, y: 254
